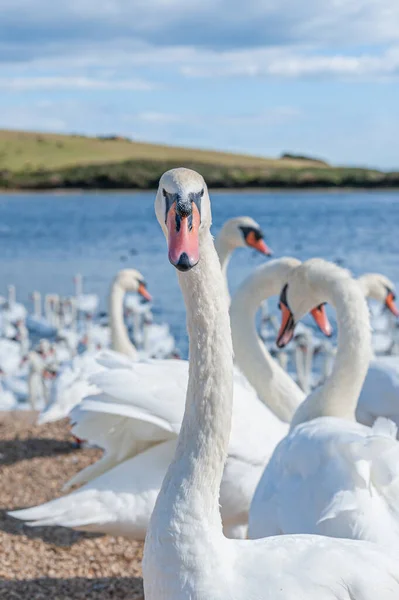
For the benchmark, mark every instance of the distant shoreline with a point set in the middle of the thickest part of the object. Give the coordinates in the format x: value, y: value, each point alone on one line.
x: 67, y: 191
x: 34, y: 161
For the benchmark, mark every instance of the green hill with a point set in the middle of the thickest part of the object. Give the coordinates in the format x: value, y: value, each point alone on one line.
x: 45, y: 161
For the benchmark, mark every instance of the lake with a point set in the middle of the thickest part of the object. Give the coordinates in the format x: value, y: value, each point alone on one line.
x: 45, y: 239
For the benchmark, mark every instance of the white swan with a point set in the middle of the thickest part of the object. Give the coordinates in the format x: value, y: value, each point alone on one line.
x: 121, y: 419
x: 127, y: 280
x: 36, y: 322
x: 331, y: 475
x: 380, y: 288
x: 85, y: 303
x: 13, y: 311
x: 239, y: 232
x: 137, y: 395
x: 154, y: 391
x: 138, y: 432
x: 72, y: 383
x: 380, y: 392
x: 271, y: 382
x: 186, y: 555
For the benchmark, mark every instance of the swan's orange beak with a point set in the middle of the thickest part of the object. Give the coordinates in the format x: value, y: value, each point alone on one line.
x: 142, y: 290
x: 320, y: 316
x: 183, y: 240
x: 287, y: 327
x: 390, y: 303
x: 254, y: 241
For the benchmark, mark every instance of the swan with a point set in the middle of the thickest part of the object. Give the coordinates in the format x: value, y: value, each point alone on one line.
x: 37, y: 392
x: 380, y: 392
x: 378, y: 287
x: 85, y: 303
x: 127, y: 280
x: 13, y: 311
x: 72, y: 383
x: 133, y: 396
x: 36, y: 322
x: 331, y: 475
x: 153, y: 339
x: 139, y: 439
x: 273, y: 385
x: 186, y: 555
x: 239, y: 232
x: 234, y: 233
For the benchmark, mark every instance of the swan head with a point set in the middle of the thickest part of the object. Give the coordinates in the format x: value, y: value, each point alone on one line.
x: 303, y: 293
x: 183, y: 210
x: 131, y: 280
x: 241, y: 232
x: 380, y: 288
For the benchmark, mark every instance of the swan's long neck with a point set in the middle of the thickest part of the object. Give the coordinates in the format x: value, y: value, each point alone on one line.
x: 35, y: 381
x: 11, y: 295
x: 37, y: 305
x: 78, y: 285
x: 338, y: 396
x: 119, y: 338
x: 224, y: 251
x: 190, y: 491
x: 272, y: 384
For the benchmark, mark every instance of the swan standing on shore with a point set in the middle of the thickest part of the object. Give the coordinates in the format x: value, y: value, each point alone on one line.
x: 186, y: 555
x: 331, y: 475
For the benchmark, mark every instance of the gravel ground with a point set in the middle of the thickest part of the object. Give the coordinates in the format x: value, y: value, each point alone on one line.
x: 53, y: 563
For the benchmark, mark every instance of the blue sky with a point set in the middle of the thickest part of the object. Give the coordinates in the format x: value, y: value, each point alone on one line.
x: 319, y: 77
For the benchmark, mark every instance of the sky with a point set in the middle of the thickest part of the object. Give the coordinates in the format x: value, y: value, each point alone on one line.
x: 316, y: 77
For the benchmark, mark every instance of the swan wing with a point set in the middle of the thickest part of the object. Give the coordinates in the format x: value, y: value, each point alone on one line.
x: 314, y: 568
x: 380, y: 392
x: 331, y: 477
x: 118, y: 502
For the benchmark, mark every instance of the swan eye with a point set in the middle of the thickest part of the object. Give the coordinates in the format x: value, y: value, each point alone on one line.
x: 202, y: 192
x: 164, y: 192
x: 390, y: 293
x: 256, y: 233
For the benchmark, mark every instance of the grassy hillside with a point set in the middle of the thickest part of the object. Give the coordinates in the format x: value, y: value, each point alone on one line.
x: 26, y: 150
x: 49, y: 161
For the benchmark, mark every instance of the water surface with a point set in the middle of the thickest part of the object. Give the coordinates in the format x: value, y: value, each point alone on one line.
x: 46, y: 238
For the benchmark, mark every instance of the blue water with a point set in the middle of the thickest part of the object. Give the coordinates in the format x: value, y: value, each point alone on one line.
x: 45, y: 239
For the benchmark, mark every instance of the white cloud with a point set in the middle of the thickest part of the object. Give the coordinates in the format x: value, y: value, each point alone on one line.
x: 294, y: 62
x: 43, y: 28
x: 158, y: 117
x: 272, y: 116
x: 23, y: 84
